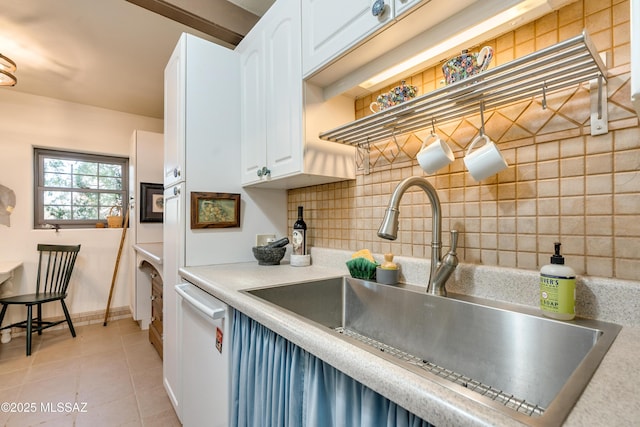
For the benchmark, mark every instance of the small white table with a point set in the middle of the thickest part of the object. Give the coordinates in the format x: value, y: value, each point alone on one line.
x: 7, y: 270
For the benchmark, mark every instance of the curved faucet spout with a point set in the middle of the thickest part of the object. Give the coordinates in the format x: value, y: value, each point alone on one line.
x: 389, y: 228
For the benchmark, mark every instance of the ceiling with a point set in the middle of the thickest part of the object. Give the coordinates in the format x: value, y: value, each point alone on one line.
x: 107, y: 53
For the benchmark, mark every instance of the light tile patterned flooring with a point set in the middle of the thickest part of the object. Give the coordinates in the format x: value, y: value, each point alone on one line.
x: 106, y: 376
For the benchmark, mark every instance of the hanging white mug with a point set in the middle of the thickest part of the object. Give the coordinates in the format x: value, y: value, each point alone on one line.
x: 434, y: 156
x: 485, y: 160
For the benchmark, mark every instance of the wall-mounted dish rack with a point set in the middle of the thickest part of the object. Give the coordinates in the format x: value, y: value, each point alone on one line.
x: 564, y: 64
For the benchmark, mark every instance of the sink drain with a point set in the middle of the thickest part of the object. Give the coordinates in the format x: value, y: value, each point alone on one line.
x: 506, y: 399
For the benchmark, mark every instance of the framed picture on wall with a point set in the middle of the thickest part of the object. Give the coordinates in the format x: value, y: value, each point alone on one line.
x: 215, y: 210
x: 151, y: 202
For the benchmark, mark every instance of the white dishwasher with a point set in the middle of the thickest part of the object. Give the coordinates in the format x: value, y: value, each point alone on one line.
x: 204, y: 337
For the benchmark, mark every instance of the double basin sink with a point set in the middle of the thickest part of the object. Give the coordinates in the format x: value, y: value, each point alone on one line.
x: 507, y: 357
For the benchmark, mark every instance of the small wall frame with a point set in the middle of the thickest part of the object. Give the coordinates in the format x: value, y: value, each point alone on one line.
x: 215, y: 210
x: 151, y: 202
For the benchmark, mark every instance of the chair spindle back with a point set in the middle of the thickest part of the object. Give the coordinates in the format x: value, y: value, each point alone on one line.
x: 55, y: 266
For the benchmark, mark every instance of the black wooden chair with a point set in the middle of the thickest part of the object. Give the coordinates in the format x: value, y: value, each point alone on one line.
x: 55, y: 266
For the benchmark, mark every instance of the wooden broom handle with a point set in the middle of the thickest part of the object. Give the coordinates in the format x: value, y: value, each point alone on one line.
x: 125, y: 225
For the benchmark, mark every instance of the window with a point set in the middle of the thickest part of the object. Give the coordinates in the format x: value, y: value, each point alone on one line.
x: 75, y: 190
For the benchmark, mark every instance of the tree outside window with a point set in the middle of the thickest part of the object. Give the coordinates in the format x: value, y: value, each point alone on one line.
x: 75, y: 190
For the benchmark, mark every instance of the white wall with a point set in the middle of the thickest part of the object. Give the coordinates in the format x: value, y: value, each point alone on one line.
x: 146, y: 162
x: 29, y: 121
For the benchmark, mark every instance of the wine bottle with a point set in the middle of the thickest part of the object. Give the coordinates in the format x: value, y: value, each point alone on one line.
x: 299, y: 235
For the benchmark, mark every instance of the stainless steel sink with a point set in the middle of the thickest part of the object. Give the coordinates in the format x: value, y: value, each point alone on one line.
x: 507, y: 357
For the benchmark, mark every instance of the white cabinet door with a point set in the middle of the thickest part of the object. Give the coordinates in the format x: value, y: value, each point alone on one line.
x: 172, y: 258
x: 331, y: 27
x: 271, y: 95
x: 174, y: 135
x: 283, y: 88
x: 205, y: 337
x: 252, y: 101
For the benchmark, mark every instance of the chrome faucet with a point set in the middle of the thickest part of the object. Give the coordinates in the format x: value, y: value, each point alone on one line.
x: 441, y: 269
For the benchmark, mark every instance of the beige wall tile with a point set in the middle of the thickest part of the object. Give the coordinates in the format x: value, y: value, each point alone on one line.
x: 627, y: 182
x: 626, y: 268
x: 597, y: 225
x: 572, y: 166
x: 546, y: 40
x: 621, y: 55
x: 573, y: 29
x: 621, y: 34
x: 572, y: 206
x: 599, y: 204
x: 594, y: 6
x: 626, y: 225
x: 620, y: 12
x: 599, y: 266
x: 626, y: 203
x: 599, y: 164
x: 571, y: 13
x: 527, y: 260
x: 546, y: 24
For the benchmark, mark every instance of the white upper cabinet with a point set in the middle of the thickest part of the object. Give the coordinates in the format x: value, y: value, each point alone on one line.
x: 277, y: 149
x: 271, y: 95
x: 334, y: 26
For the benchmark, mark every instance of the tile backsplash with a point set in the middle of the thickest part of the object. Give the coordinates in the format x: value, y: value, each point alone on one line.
x: 562, y: 184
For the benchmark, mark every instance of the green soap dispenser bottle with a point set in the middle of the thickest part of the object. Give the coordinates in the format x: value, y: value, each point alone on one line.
x: 558, y: 288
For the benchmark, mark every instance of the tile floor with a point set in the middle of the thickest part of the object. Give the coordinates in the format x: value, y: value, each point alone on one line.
x: 106, y: 376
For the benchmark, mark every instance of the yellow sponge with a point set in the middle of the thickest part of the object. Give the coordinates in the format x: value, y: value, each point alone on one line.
x: 364, y: 253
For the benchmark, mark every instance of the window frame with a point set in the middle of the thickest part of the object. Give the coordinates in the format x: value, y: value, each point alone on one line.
x: 39, y: 153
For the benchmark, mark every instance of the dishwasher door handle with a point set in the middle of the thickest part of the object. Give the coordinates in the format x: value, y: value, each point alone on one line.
x: 214, y: 313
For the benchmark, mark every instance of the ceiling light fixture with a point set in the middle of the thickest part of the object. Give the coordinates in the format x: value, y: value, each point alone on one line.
x: 7, y: 68
x: 510, y: 16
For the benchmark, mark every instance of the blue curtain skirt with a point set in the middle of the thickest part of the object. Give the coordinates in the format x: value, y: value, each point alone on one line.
x: 276, y: 383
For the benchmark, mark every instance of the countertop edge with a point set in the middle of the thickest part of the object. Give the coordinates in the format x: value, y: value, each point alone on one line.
x: 152, y: 252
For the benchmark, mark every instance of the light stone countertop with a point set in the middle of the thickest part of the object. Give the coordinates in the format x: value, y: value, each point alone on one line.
x: 152, y: 252
x: 609, y: 399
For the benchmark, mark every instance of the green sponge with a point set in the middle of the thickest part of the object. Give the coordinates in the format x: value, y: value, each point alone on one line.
x: 362, y: 268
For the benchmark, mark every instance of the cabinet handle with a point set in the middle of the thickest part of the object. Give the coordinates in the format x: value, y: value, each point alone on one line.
x: 176, y: 172
x: 176, y: 191
x: 153, y: 297
x: 378, y: 8
x: 264, y: 171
